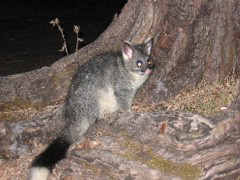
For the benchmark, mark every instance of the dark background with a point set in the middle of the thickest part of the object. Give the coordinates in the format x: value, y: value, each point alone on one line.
x: 28, y: 41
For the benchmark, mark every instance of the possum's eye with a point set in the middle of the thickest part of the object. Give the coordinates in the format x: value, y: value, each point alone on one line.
x: 139, y: 63
x: 150, y: 63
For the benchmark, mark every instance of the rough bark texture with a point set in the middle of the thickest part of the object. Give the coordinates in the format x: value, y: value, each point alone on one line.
x: 194, y: 41
x: 160, y: 145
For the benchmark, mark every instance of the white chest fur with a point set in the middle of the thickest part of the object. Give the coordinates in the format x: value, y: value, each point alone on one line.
x: 107, y: 101
x: 138, y: 80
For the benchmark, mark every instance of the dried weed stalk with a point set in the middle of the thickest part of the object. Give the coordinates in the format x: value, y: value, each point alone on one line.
x: 76, y: 29
x: 56, y: 22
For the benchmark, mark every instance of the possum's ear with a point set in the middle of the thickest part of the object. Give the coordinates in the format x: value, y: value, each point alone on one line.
x: 148, y: 45
x: 127, y: 50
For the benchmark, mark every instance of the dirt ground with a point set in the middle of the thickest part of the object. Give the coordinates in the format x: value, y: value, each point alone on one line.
x: 29, y: 42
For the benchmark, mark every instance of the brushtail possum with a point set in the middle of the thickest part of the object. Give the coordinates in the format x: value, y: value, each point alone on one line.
x: 105, y: 84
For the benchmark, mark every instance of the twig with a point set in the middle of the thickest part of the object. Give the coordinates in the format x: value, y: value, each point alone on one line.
x: 54, y: 23
x: 76, y: 29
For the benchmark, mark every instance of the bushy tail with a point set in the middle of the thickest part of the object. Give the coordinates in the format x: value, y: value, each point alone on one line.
x: 44, y: 163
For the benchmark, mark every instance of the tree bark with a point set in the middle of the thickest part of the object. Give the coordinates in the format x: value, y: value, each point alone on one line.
x: 151, y: 145
x: 194, y: 41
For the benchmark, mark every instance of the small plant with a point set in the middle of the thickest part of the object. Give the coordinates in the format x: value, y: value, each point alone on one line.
x: 76, y: 29
x: 56, y: 22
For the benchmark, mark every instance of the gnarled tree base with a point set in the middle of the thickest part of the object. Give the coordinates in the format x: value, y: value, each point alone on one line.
x: 194, y: 41
x: 160, y: 145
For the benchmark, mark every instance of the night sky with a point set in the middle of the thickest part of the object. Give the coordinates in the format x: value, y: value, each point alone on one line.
x: 28, y: 41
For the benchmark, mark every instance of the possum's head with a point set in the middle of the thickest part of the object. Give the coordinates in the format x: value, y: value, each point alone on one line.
x: 137, y: 58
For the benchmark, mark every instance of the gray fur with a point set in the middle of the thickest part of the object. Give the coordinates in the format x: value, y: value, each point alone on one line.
x: 105, y: 84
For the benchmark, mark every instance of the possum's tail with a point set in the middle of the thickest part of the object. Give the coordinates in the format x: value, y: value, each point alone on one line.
x: 44, y: 162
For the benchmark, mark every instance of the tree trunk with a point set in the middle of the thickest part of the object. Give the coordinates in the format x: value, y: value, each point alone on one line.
x: 194, y: 41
